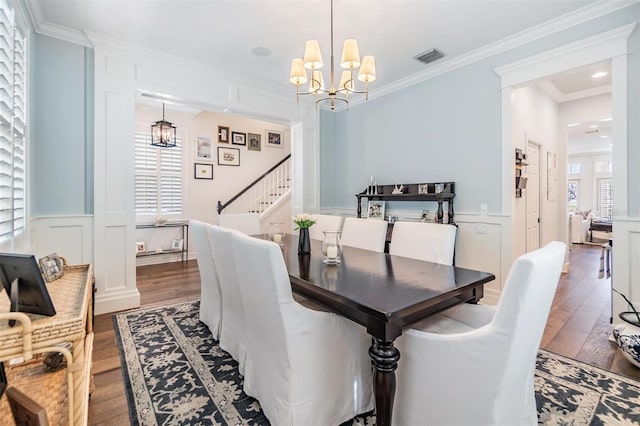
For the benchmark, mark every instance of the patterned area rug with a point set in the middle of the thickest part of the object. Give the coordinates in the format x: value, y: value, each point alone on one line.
x: 175, y: 374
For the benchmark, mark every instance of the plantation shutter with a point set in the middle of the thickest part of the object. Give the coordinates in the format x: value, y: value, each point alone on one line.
x: 13, y: 53
x: 158, y: 176
x: 605, y: 197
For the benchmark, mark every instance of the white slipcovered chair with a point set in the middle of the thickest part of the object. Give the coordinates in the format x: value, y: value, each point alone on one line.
x: 305, y: 367
x: 248, y: 223
x: 325, y: 222
x: 210, y: 301
x: 433, y: 242
x: 580, y: 227
x: 474, y: 364
x: 232, y: 328
x: 367, y: 234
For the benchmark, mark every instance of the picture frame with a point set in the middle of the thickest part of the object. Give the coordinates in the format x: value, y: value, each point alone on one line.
x: 141, y: 247
x: 255, y: 142
x: 203, y: 171
x: 424, y: 216
x: 423, y: 188
x: 223, y: 134
x: 274, y: 138
x: 177, y: 244
x: 439, y: 187
x: 375, y: 210
x: 228, y: 156
x: 238, y: 138
x: 25, y: 410
x: 204, y: 148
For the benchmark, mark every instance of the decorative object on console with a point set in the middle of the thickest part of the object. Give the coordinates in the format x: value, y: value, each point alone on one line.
x: 375, y: 210
x: 177, y: 244
x: 398, y: 189
x: 424, y: 217
x: 141, y: 247
x: 349, y: 61
x: 163, y: 133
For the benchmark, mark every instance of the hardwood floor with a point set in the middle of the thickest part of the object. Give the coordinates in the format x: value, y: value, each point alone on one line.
x: 578, y: 325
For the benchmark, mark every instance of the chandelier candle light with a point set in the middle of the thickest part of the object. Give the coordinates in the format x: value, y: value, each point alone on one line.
x: 350, y: 61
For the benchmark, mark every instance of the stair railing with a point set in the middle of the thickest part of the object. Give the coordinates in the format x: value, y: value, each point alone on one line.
x: 263, y: 191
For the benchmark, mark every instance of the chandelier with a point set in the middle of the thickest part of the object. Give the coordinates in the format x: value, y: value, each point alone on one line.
x: 350, y: 61
x: 163, y: 133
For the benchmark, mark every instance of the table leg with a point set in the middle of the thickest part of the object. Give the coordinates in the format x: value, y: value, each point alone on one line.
x: 384, y: 358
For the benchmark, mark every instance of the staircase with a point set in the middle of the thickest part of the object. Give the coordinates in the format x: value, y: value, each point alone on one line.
x: 263, y: 194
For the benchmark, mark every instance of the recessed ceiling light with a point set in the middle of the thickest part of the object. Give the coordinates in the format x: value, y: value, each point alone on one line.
x: 599, y: 74
x: 606, y: 119
x: 593, y: 126
x: 573, y: 124
x: 260, y: 51
x: 604, y: 136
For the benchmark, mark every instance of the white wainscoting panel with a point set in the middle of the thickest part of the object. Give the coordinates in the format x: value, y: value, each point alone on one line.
x: 68, y: 236
x: 626, y: 264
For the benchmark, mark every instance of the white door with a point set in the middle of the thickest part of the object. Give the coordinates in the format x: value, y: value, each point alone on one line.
x: 533, y: 196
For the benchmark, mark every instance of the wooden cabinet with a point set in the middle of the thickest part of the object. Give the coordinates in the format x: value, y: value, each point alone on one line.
x: 438, y: 192
x: 72, y: 296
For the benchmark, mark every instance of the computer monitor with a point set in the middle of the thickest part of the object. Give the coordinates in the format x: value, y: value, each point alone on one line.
x: 21, y: 278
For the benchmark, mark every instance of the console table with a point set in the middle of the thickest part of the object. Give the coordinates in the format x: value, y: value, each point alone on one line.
x: 66, y: 401
x: 414, y: 192
x: 184, y: 251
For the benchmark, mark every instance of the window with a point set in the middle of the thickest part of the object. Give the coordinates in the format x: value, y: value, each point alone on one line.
x: 158, y: 175
x: 605, y: 198
x: 13, y: 121
x: 574, y: 168
x: 573, y: 191
x: 604, y: 166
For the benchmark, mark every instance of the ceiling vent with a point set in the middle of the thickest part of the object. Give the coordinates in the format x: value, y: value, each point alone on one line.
x: 429, y: 56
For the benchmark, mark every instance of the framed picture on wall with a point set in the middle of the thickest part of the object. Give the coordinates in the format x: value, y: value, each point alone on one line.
x: 275, y: 138
x: 375, y: 210
x: 238, y: 138
x: 203, y: 171
x: 228, y: 156
x: 255, y: 142
x: 204, y: 149
x: 223, y: 134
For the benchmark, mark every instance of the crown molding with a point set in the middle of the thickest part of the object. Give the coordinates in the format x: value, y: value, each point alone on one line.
x: 561, y: 23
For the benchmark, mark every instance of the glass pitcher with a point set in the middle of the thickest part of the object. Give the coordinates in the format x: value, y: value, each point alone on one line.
x: 277, y: 233
x: 331, y: 247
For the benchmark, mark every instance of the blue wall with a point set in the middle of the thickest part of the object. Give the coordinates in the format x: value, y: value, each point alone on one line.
x: 61, y: 177
x: 448, y: 128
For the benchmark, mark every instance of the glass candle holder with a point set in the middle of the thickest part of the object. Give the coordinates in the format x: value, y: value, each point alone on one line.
x: 277, y: 233
x: 332, y: 247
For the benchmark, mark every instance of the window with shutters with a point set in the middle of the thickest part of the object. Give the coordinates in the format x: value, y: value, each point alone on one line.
x: 158, y: 175
x: 605, y: 198
x: 13, y: 121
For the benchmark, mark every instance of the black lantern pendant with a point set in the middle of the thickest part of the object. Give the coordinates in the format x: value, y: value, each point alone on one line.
x: 163, y: 133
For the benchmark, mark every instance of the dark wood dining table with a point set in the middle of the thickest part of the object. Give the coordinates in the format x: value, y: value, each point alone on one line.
x: 385, y: 294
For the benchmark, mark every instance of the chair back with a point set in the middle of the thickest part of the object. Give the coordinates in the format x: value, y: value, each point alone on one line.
x: 248, y: 223
x: 232, y: 329
x: 522, y: 313
x: 325, y: 222
x: 433, y: 242
x: 265, y: 289
x: 367, y: 234
x: 210, y: 303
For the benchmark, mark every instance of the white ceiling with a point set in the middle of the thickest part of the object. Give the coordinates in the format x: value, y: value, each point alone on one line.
x: 222, y: 34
